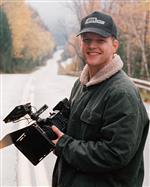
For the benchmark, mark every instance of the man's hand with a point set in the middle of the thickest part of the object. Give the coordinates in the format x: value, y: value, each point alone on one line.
x: 58, y: 133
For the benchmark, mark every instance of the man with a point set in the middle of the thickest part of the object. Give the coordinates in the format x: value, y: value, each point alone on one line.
x: 108, y: 124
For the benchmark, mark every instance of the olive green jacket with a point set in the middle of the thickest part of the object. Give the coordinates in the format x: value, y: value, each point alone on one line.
x: 106, y: 134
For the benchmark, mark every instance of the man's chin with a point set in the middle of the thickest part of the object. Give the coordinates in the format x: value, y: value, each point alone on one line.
x: 93, y: 61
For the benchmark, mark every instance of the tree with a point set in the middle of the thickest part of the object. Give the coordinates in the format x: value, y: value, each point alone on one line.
x: 29, y: 47
x: 133, y: 21
x: 5, y: 44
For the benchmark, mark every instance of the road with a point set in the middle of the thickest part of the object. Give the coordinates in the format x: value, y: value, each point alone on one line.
x: 41, y: 87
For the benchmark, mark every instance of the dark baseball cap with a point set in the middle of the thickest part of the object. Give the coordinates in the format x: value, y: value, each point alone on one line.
x: 98, y: 23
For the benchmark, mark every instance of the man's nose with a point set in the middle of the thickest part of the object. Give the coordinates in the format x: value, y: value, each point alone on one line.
x: 93, y: 44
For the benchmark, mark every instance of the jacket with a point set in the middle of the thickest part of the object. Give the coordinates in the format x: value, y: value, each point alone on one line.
x: 106, y: 133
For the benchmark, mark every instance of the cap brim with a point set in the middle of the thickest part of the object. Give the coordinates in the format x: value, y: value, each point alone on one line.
x: 95, y: 30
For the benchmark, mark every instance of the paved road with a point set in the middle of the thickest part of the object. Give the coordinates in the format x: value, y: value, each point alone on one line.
x: 41, y: 87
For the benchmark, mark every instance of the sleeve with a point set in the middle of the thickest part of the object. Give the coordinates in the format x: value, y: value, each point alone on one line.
x: 121, y: 134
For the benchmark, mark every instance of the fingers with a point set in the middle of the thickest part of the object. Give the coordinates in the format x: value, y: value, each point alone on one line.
x: 57, y: 131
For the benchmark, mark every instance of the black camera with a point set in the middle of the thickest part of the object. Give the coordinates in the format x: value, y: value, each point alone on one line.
x: 34, y: 141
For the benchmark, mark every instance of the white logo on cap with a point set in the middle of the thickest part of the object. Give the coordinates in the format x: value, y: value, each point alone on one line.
x: 94, y: 20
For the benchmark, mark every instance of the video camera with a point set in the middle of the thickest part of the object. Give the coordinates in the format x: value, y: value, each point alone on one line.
x: 34, y: 141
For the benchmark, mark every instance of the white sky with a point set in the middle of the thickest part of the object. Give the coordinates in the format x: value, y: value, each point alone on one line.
x: 52, y: 10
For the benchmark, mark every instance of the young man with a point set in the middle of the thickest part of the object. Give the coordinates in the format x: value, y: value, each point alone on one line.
x: 108, y: 124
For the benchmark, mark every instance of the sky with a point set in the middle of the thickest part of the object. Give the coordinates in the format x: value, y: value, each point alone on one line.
x: 57, y: 15
x: 52, y: 10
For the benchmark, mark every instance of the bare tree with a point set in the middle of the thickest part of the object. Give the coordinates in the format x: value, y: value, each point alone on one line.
x: 133, y: 20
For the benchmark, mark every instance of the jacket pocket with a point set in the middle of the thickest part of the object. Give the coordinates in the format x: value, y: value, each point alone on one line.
x: 90, y: 117
x: 90, y: 124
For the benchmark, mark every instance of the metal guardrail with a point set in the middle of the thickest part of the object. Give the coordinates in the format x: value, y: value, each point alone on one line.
x: 142, y: 84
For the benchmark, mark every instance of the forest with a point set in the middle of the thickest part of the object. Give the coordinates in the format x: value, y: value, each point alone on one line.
x: 25, y: 42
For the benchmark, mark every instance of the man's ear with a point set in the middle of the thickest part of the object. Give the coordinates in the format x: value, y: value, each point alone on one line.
x: 80, y: 41
x: 115, y: 45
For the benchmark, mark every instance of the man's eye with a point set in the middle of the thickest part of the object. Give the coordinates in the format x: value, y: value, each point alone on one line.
x: 100, y: 41
x: 87, y: 41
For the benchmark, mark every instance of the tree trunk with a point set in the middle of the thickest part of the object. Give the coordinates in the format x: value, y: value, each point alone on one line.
x: 128, y: 59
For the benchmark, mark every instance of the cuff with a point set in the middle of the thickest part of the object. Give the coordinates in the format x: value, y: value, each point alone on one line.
x: 61, y: 144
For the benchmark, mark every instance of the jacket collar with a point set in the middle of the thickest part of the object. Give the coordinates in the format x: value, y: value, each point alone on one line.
x: 106, y: 72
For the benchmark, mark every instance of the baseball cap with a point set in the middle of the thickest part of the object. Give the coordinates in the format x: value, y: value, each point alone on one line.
x: 99, y: 23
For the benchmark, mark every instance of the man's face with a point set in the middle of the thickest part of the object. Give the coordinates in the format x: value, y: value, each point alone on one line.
x: 98, y: 50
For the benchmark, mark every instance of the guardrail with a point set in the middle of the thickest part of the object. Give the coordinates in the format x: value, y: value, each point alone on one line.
x: 142, y: 84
